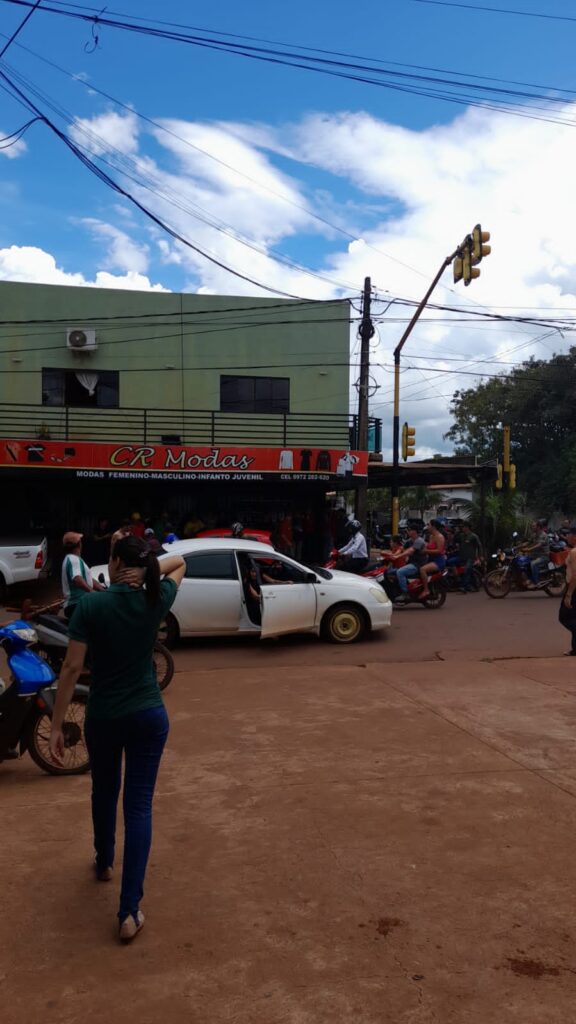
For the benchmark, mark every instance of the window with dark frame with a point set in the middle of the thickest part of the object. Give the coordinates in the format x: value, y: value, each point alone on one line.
x: 62, y: 387
x: 255, y: 394
x: 211, y: 565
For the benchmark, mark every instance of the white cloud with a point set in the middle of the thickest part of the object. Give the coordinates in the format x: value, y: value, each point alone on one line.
x: 110, y: 130
x: 28, y: 263
x: 15, y: 149
x: 123, y: 252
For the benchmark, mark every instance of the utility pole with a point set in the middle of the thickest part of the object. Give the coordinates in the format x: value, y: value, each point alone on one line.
x: 366, y: 332
x: 396, y: 421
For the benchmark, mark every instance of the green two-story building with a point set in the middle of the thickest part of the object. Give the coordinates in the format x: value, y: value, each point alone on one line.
x: 218, y: 407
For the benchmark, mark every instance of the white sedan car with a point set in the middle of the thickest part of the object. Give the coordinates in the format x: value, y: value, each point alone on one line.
x: 242, y: 587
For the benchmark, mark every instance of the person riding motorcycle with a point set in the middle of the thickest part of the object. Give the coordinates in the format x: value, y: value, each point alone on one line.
x: 353, y: 557
x: 436, y: 555
x: 415, y: 554
x: 538, y: 547
x: 237, y: 530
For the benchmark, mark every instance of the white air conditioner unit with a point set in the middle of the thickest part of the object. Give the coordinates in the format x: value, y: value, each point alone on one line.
x: 81, y: 339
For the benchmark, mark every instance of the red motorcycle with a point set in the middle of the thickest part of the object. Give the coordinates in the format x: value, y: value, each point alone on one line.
x: 374, y: 570
x: 436, y: 584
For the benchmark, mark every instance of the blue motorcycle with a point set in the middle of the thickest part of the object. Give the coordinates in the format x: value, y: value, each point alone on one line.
x: 26, y: 707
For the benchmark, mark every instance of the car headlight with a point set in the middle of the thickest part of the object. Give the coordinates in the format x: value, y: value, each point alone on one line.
x: 379, y: 594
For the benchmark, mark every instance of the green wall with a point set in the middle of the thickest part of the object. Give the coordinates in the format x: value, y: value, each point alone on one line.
x: 170, y: 350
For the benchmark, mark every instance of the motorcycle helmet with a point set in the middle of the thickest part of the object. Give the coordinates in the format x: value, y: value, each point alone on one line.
x: 237, y: 529
x: 355, y: 526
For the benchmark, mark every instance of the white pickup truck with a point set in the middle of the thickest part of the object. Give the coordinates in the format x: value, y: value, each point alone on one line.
x: 21, y: 559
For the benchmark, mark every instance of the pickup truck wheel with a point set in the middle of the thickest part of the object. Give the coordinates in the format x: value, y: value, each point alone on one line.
x: 344, y: 624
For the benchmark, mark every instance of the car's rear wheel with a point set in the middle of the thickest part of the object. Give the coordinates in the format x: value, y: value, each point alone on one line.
x: 168, y: 633
x: 344, y: 624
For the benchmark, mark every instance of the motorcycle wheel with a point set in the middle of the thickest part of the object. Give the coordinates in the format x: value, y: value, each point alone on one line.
x: 497, y: 583
x: 163, y: 665
x: 76, y: 758
x: 168, y: 632
x: 556, y: 586
x: 436, y: 598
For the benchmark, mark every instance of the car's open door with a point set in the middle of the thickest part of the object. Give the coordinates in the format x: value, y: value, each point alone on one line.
x: 287, y: 608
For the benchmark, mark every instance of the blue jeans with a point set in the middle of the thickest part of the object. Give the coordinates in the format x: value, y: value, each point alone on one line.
x: 536, y: 565
x: 403, y: 574
x: 141, y: 737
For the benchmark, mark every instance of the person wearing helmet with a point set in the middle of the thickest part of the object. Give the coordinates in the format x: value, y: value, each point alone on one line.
x: 353, y: 557
x: 237, y: 530
x: 538, y: 548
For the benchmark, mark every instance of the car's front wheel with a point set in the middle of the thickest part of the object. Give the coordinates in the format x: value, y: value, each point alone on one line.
x: 344, y: 624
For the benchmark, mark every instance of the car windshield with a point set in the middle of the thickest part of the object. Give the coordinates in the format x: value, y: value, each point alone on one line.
x: 320, y: 571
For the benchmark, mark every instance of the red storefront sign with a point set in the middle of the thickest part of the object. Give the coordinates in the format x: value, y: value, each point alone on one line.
x: 182, y: 462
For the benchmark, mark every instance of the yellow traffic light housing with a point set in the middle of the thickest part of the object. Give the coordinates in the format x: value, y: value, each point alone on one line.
x: 512, y: 477
x: 500, y: 478
x: 479, y: 248
x: 408, y: 441
x: 471, y: 252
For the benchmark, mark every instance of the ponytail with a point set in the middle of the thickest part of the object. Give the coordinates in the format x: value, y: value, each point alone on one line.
x: 135, y: 553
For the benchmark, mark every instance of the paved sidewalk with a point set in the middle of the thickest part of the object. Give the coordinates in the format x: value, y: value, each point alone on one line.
x: 378, y: 844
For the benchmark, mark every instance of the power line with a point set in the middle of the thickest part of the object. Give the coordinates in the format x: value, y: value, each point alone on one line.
x: 496, y: 10
x: 116, y: 187
x: 417, y: 84
x: 19, y: 28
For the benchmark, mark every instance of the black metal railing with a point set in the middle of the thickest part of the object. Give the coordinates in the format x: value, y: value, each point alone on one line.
x: 187, y: 427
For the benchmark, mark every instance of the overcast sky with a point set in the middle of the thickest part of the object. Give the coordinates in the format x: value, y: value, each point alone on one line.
x: 249, y: 160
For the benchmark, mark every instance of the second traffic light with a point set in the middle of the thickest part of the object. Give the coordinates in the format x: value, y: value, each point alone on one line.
x: 408, y: 441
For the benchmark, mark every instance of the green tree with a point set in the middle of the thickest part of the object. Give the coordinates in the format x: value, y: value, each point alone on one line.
x: 537, y: 401
x: 419, y: 498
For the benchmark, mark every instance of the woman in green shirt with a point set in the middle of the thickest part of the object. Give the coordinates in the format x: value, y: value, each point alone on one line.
x: 125, y: 714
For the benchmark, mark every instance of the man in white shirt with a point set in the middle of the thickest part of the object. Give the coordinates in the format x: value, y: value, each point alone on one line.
x: 353, y: 557
x: 76, y: 576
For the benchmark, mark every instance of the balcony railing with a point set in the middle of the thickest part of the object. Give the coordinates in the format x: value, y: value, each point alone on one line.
x: 188, y: 427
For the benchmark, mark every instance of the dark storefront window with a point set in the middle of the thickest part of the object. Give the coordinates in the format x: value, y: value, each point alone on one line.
x: 68, y: 387
x: 255, y: 394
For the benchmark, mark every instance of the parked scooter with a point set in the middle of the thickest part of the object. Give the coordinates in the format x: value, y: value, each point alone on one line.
x: 53, y: 639
x: 26, y: 707
x: 436, y: 583
x: 512, y: 572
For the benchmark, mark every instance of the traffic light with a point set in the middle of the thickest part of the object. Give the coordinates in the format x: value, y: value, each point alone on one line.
x: 500, y: 478
x: 479, y: 248
x: 408, y: 441
x: 469, y: 271
x: 512, y: 477
x: 471, y: 252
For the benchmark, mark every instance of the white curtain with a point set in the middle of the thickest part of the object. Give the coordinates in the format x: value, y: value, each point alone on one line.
x: 88, y: 381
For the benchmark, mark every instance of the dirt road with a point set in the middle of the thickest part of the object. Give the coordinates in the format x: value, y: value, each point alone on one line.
x: 468, y: 627
x: 387, y: 844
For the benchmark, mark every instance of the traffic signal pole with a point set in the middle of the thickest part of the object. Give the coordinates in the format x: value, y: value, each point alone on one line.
x: 396, y: 422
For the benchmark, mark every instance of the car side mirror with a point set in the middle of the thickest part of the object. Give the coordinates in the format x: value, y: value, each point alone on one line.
x: 311, y: 577
x: 101, y: 578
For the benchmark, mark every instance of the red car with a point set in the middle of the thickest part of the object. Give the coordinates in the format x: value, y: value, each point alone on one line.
x: 262, y: 536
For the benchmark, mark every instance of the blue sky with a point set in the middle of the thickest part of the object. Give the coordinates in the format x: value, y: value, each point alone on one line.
x: 405, y: 176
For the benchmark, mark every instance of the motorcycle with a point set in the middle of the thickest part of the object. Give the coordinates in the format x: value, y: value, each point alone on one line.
x: 27, y: 704
x: 52, y: 644
x: 375, y: 570
x: 455, y: 577
x: 512, y: 572
x: 436, y: 583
